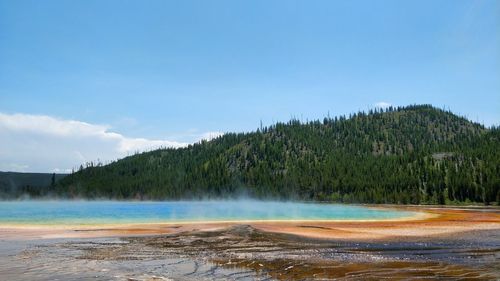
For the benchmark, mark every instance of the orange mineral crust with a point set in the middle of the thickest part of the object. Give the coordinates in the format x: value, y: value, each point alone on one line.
x: 430, y: 221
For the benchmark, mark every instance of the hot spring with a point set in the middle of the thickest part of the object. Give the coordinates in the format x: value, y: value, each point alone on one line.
x: 116, y: 212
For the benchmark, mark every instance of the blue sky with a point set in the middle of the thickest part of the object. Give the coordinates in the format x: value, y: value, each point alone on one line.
x: 176, y: 70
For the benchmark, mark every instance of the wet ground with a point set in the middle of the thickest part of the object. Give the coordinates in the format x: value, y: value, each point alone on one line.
x: 243, y: 253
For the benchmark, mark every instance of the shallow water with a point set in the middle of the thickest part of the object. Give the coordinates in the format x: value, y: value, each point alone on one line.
x: 244, y: 253
x: 104, y: 212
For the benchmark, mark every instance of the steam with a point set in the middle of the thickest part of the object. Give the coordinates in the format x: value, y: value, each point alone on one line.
x: 244, y: 210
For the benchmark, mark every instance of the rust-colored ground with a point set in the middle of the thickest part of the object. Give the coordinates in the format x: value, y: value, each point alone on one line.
x: 440, y: 243
x: 433, y: 221
x: 442, y: 221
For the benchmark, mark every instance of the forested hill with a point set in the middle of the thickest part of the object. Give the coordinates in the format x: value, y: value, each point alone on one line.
x: 15, y: 185
x: 415, y: 154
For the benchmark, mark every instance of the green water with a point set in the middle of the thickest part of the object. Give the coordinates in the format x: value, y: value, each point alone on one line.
x: 112, y: 212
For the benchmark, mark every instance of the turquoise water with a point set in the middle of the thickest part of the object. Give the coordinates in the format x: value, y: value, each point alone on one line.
x: 108, y: 212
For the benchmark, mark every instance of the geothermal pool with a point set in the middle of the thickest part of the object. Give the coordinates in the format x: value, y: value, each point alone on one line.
x: 116, y: 212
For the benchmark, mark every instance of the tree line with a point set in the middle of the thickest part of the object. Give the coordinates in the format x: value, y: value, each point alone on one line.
x: 406, y: 155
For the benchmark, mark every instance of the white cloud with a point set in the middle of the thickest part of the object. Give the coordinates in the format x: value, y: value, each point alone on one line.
x: 128, y: 145
x: 382, y: 104
x: 210, y: 135
x: 41, y: 143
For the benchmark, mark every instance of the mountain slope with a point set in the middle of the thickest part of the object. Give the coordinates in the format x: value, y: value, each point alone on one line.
x: 414, y: 154
x: 14, y: 185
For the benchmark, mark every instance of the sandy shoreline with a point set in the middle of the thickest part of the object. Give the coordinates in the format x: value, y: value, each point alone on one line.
x: 429, y: 221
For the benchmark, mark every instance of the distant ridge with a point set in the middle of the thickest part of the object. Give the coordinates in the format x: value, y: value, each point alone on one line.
x: 14, y: 185
x: 414, y: 154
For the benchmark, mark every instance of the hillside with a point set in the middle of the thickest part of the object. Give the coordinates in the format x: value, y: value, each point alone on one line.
x: 14, y: 185
x: 415, y: 154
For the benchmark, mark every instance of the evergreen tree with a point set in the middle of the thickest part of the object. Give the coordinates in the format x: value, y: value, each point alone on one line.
x: 415, y: 154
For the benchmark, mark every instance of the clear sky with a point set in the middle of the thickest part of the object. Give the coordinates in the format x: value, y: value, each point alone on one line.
x: 136, y: 72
